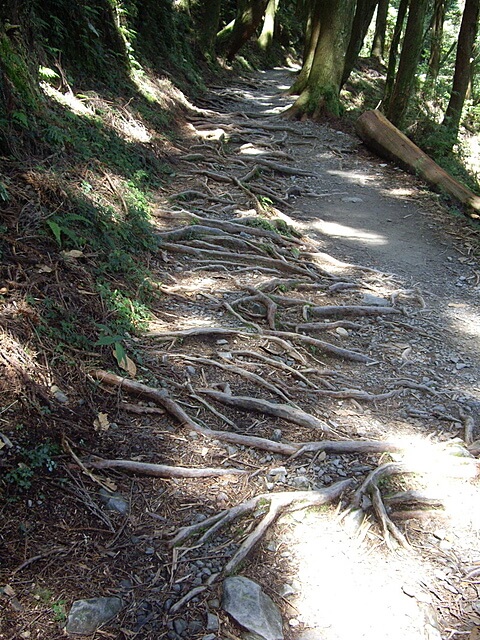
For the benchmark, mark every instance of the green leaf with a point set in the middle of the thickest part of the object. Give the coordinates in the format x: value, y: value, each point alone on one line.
x: 20, y: 117
x: 4, y: 195
x: 46, y: 73
x: 120, y: 353
x: 106, y: 340
x: 56, y: 230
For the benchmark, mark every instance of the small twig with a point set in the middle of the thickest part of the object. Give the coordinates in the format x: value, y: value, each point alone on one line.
x: 186, y: 598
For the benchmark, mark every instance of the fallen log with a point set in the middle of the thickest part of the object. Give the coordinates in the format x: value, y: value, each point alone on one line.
x: 381, y: 136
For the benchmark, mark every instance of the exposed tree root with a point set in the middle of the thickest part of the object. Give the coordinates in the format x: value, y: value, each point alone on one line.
x: 248, y: 375
x: 162, y: 470
x: 351, y: 310
x: 320, y: 344
x: 291, y: 414
x: 356, y: 394
x: 388, y: 526
x: 278, y: 502
x: 326, y: 347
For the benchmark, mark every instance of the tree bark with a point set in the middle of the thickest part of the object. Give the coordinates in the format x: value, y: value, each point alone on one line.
x: 392, y: 57
x: 248, y: 18
x: 361, y: 21
x: 380, y: 135
x: 438, y: 20
x: 378, y: 45
x: 321, y: 95
x: 266, y: 37
x: 411, y: 49
x: 312, y: 32
x: 463, y: 63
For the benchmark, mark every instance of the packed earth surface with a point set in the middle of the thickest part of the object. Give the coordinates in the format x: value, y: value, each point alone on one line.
x: 309, y: 393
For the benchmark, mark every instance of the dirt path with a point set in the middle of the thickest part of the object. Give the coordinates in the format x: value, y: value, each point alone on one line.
x: 317, y: 331
x: 360, y: 210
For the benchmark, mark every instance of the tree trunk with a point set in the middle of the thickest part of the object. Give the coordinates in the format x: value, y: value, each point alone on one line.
x: 411, y: 49
x: 378, y: 45
x: 266, y: 37
x: 436, y: 38
x: 380, y: 135
x: 312, y: 32
x: 249, y: 16
x: 206, y: 16
x: 361, y: 21
x: 392, y: 57
x: 321, y: 94
x: 463, y: 63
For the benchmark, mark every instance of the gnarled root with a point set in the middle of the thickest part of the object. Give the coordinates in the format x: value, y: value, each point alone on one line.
x: 278, y: 502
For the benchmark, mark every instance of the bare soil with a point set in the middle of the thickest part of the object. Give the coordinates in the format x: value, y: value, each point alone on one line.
x: 271, y: 233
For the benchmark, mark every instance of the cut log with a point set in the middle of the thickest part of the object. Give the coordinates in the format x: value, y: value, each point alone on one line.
x: 381, y: 136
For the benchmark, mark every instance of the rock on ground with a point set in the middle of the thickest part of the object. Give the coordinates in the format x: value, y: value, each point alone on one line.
x: 245, y: 601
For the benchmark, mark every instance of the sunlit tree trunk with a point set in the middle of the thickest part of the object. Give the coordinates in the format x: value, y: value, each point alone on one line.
x: 392, y: 56
x: 436, y: 38
x: 463, y: 65
x: 321, y: 94
x: 266, y: 37
x: 248, y: 18
x: 378, y: 45
x: 312, y: 31
x: 361, y: 21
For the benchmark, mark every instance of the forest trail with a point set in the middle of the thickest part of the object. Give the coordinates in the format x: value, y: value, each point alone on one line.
x: 316, y: 342
x: 387, y: 238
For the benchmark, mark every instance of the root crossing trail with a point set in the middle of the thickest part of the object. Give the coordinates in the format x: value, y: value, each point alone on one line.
x: 316, y: 292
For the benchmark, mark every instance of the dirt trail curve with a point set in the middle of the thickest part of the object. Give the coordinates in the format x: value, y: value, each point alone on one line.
x: 315, y: 277
x: 317, y: 342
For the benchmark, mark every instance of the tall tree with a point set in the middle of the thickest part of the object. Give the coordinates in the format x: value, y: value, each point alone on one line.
x: 266, y: 37
x: 411, y: 49
x: 321, y: 93
x: 378, y: 44
x: 463, y: 66
x: 361, y: 21
x: 393, y: 53
x: 311, y: 33
x: 436, y: 32
x: 248, y: 18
